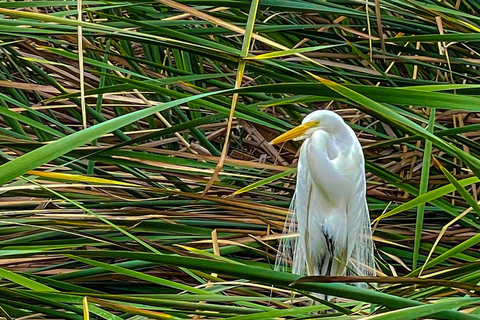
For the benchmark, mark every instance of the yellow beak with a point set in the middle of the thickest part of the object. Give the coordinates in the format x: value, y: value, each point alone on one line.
x: 294, y: 133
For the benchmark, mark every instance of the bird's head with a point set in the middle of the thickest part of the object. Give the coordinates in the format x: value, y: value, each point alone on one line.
x: 324, y: 120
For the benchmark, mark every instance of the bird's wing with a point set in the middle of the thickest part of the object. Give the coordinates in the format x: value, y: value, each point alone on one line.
x: 293, y: 245
x: 359, y: 241
x: 290, y: 251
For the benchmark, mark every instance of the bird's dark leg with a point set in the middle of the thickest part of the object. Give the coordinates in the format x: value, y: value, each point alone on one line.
x: 331, y: 249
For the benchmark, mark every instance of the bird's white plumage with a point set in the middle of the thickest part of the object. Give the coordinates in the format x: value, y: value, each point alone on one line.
x: 329, y: 210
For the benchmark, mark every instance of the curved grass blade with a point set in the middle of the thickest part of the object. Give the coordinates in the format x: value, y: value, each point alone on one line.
x: 423, y: 311
x: 42, y: 155
x: 265, y: 181
x: 296, y: 312
x: 139, y: 275
x: 461, y: 189
x: 428, y: 197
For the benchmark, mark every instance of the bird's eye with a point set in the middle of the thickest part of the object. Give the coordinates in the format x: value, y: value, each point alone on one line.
x: 317, y: 123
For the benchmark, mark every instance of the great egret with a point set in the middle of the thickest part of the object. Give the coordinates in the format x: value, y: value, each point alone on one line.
x: 329, y: 208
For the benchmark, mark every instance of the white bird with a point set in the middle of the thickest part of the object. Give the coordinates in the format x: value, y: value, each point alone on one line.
x: 329, y: 208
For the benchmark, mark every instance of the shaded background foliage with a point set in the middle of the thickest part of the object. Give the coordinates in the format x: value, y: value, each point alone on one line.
x: 116, y: 212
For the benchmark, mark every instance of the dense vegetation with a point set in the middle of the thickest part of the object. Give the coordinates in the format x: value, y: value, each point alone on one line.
x: 137, y: 180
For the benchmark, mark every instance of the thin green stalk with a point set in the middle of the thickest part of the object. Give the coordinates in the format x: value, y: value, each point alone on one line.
x: 424, y: 180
